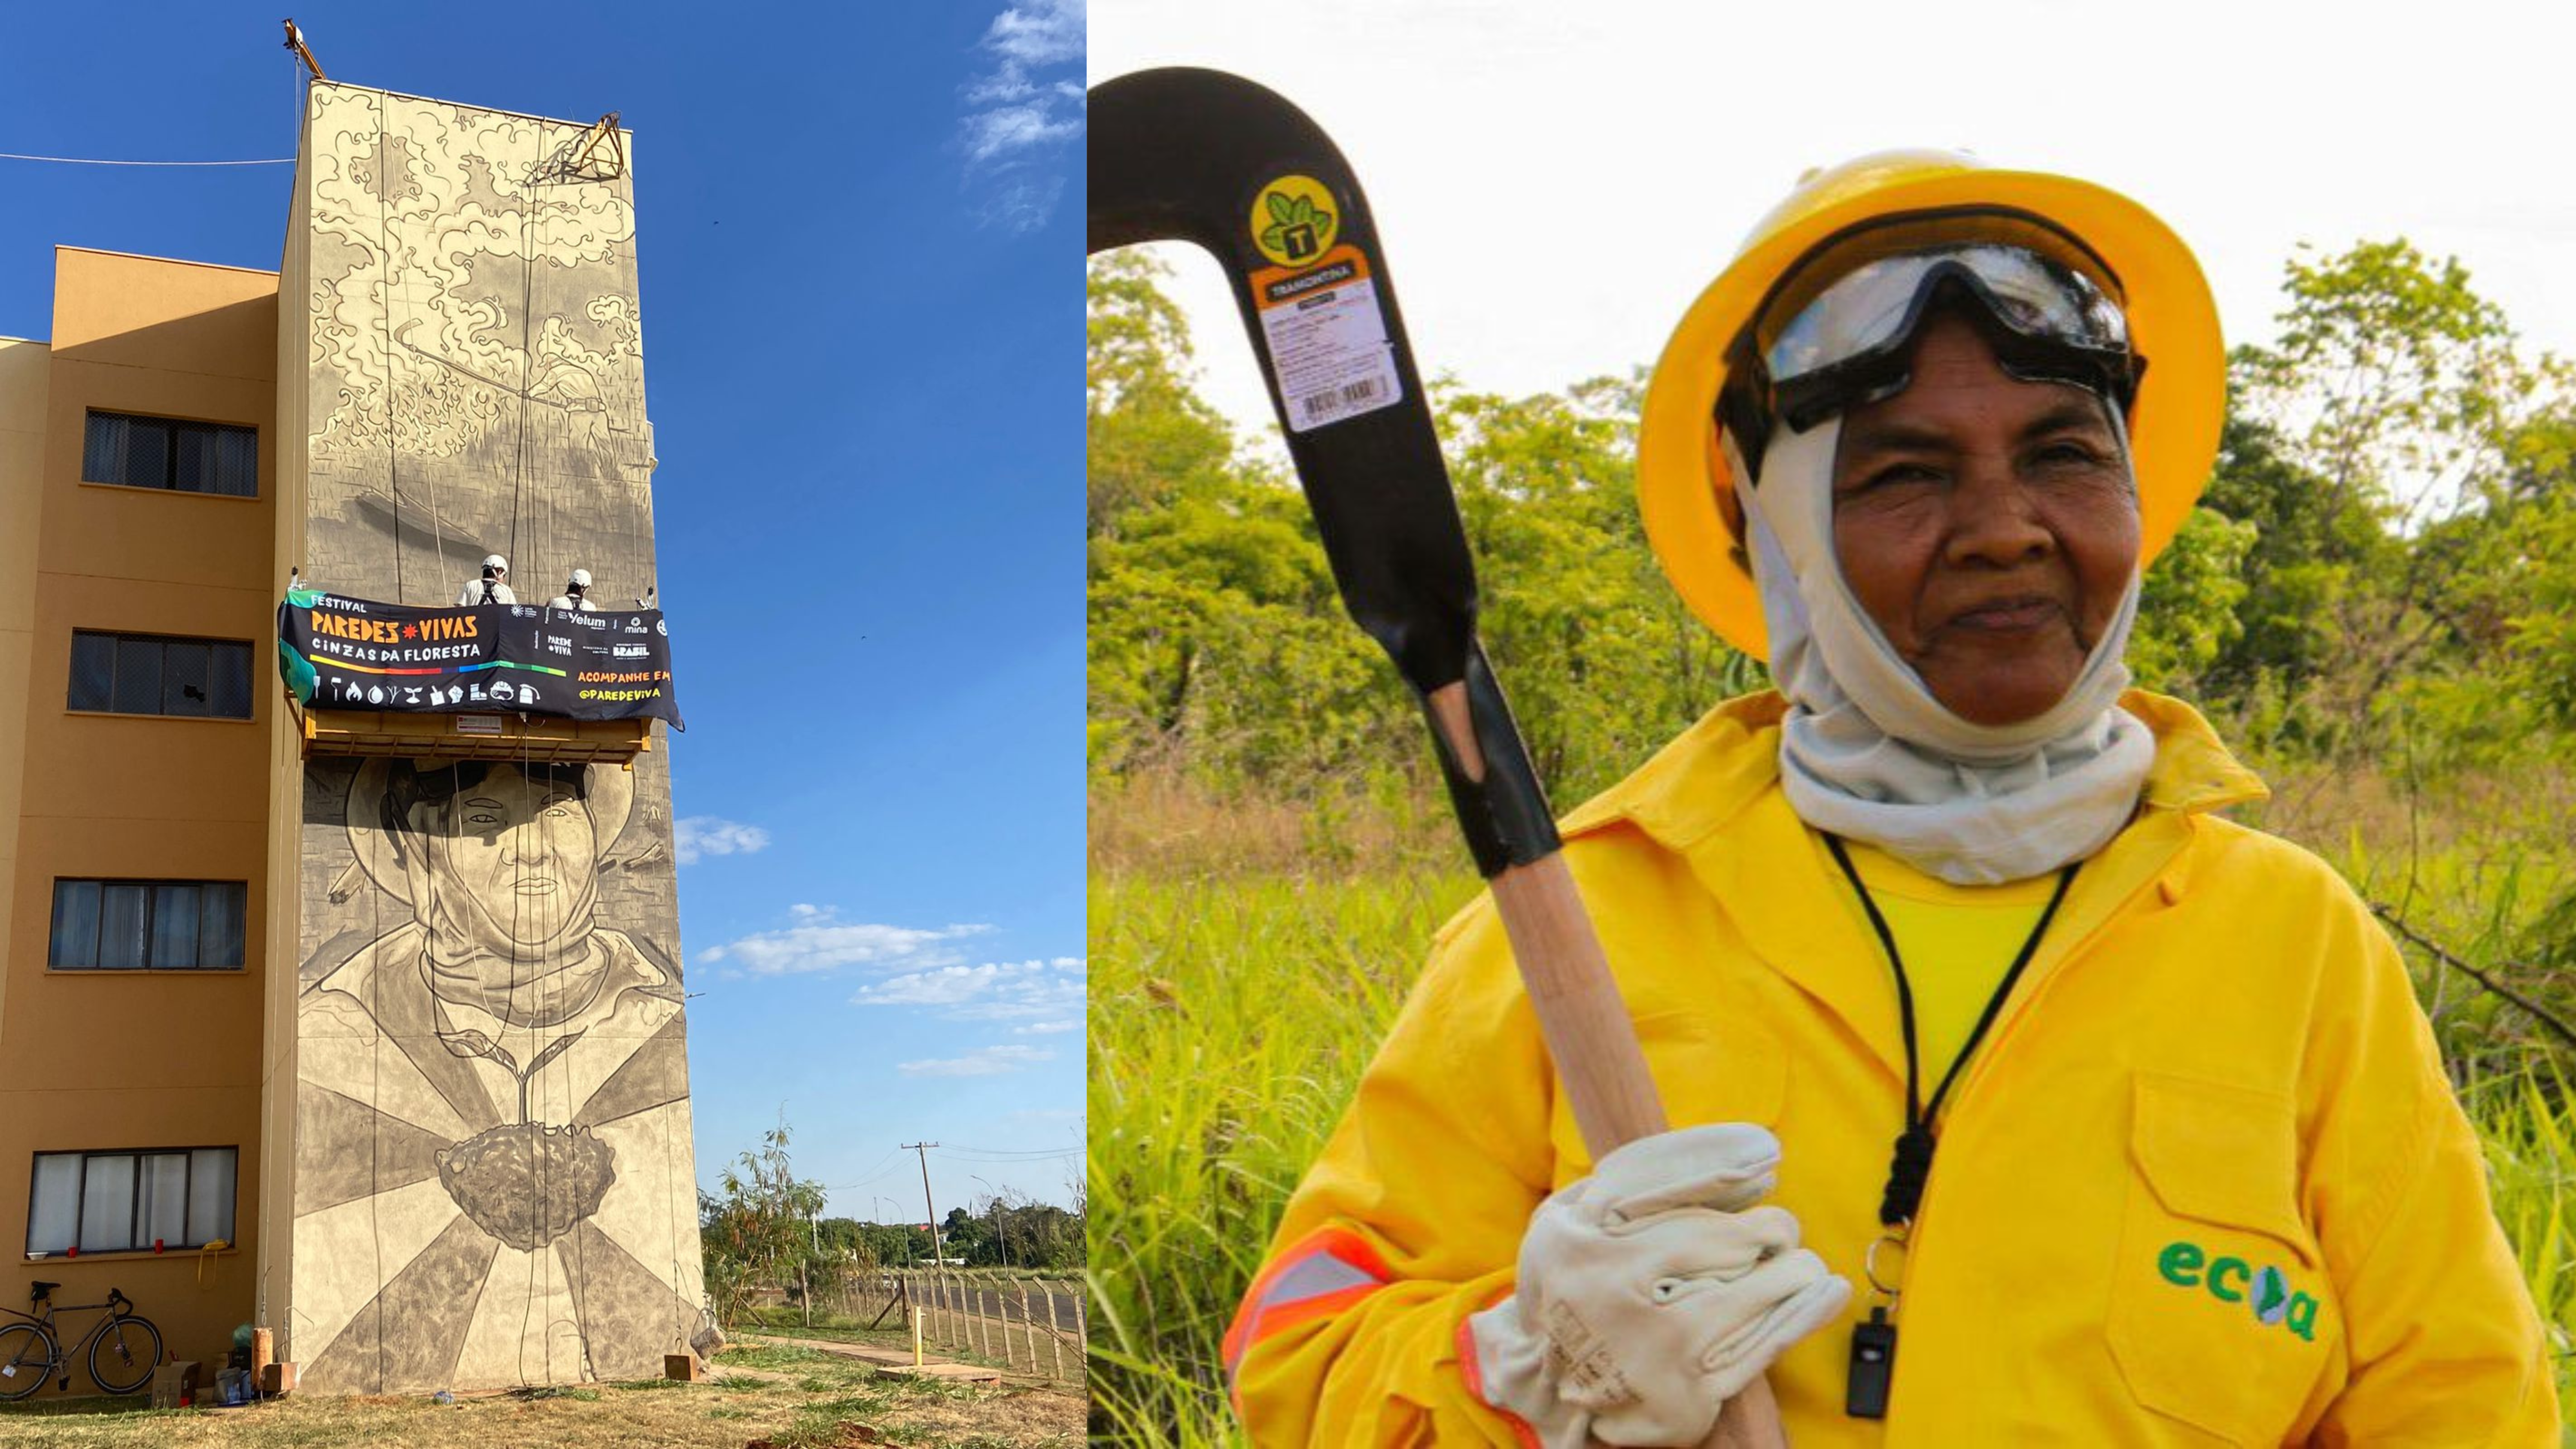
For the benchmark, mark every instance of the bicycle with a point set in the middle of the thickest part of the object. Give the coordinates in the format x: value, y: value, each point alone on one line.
x: 123, y: 1343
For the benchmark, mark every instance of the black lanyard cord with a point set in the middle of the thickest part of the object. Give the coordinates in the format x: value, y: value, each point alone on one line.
x: 1913, y: 1160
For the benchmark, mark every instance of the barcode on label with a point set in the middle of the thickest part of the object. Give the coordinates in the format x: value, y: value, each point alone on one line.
x: 1332, y: 404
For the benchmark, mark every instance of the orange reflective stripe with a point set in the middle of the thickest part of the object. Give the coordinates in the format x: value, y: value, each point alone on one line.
x: 1319, y: 1275
x: 1473, y: 1372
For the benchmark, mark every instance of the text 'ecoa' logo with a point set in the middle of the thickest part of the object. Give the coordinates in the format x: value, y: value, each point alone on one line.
x: 2265, y: 1290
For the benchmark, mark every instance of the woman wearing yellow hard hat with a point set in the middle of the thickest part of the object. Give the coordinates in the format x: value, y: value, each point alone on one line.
x: 2025, y: 1098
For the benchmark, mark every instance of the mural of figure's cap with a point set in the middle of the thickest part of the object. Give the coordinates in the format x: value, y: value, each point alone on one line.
x: 611, y: 803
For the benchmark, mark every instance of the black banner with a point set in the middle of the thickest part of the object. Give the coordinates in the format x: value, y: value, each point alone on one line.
x: 340, y: 653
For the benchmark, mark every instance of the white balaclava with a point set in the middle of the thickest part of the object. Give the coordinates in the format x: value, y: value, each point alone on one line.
x: 1867, y: 753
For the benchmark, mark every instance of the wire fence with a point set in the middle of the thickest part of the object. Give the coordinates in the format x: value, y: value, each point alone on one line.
x: 1013, y: 1321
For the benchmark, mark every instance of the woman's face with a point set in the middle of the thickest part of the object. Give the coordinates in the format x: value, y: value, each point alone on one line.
x: 1987, y: 525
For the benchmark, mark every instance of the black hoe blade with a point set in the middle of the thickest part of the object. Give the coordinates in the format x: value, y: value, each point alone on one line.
x: 1206, y: 157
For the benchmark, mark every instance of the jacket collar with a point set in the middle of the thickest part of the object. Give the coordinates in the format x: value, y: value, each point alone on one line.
x: 1711, y: 797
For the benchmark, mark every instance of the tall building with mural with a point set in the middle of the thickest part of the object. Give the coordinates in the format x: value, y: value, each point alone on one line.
x: 397, y: 1065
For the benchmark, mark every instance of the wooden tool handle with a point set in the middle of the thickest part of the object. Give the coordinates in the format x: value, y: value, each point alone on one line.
x: 1598, y: 1059
x: 1589, y: 1036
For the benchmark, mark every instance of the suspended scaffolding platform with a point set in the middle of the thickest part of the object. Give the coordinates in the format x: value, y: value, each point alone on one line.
x: 537, y: 739
x: 474, y: 682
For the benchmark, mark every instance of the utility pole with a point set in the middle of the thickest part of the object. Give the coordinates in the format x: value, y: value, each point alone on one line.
x: 938, y: 1254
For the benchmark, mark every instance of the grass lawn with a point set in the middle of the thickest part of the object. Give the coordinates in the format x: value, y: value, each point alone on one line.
x: 794, y: 1398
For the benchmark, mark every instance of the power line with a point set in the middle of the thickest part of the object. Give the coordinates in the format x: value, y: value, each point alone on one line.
x: 96, y: 161
x: 876, y: 1169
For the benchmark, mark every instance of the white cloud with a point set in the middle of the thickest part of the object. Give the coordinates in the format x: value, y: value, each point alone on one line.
x: 989, y: 1061
x: 1022, y: 203
x: 820, y: 941
x: 1009, y: 128
x: 1044, y: 1028
x: 705, y: 835
x: 1015, y: 118
x: 1048, y: 32
x: 993, y: 991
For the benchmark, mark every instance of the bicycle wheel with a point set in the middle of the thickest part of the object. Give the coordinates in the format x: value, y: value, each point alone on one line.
x: 26, y: 1358
x: 124, y: 1354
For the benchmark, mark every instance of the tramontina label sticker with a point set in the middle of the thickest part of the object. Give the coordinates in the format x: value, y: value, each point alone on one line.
x: 1328, y: 346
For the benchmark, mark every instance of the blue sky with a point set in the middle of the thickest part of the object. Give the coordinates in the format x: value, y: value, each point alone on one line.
x: 858, y: 230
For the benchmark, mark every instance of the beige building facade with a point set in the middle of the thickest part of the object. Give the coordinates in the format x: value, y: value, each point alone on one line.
x: 134, y: 1059
x: 404, y: 1033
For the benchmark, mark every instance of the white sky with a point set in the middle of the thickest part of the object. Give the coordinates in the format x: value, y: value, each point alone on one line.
x: 1555, y: 182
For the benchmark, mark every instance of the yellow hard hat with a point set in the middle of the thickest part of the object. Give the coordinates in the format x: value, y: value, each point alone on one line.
x: 1683, y: 483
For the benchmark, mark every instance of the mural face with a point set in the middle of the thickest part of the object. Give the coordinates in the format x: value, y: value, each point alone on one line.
x: 493, y: 1179
x: 493, y: 1087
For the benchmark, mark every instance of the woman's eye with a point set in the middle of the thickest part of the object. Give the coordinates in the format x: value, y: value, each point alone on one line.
x: 1900, y: 473
x: 483, y: 819
x: 559, y: 812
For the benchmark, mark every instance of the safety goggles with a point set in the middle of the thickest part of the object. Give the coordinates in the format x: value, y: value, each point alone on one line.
x: 1837, y: 333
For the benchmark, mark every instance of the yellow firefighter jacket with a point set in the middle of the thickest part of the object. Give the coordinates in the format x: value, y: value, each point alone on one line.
x: 2203, y: 1182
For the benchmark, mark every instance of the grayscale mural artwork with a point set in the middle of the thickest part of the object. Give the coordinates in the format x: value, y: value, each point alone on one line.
x: 494, y: 1084
x: 492, y: 1175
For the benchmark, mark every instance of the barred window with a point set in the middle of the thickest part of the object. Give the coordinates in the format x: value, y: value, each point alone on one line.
x: 140, y: 452
x: 110, y: 1202
x: 129, y: 925
x: 156, y: 674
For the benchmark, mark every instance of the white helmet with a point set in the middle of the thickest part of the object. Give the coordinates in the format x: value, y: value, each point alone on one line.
x: 495, y: 561
x: 580, y: 578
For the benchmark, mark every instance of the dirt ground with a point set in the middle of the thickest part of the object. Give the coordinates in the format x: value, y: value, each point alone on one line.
x: 792, y: 1398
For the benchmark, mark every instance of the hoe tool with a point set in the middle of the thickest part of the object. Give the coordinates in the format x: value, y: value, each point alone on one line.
x: 1202, y: 156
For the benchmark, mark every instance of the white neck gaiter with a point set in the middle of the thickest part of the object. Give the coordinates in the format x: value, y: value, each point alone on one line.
x: 1867, y: 753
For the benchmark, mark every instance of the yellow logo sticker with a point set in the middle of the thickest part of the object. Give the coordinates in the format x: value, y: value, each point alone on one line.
x: 1293, y: 221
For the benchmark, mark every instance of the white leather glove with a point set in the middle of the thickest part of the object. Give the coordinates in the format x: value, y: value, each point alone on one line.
x: 1653, y: 1291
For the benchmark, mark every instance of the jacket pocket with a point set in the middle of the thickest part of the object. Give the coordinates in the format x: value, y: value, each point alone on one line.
x: 2220, y: 1312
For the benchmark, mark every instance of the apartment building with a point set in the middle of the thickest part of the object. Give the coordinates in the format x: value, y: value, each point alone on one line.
x: 363, y: 1026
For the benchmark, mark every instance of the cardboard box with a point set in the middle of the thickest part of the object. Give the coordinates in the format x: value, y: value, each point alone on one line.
x: 277, y: 1378
x: 174, y: 1384
x: 684, y: 1367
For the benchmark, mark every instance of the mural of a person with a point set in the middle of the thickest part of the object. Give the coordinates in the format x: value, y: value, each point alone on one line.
x: 493, y: 1174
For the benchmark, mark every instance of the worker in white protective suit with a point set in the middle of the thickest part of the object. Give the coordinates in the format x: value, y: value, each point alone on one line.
x: 493, y: 587
x: 575, y: 594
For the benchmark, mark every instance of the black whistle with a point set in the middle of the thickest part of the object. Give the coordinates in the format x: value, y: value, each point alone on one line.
x: 1873, y: 1367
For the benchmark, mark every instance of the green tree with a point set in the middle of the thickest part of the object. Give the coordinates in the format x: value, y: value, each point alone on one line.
x: 1151, y: 436
x: 1603, y: 661
x: 760, y: 1231
x: 2397, y: 399
x: 2187, y: 612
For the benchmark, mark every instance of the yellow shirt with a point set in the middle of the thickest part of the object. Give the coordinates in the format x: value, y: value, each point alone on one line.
x: 1957, y: 941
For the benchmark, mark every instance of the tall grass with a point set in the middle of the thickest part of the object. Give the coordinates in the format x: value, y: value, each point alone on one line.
x: 1246, y: 960
x: 2526, y: 1119
x: 1230, y: 1019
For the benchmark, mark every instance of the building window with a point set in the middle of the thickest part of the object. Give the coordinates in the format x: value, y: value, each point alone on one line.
x: 112, y: 1202
x: 166, y: 453
x: 164, y: 925
x: 150, y: 674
